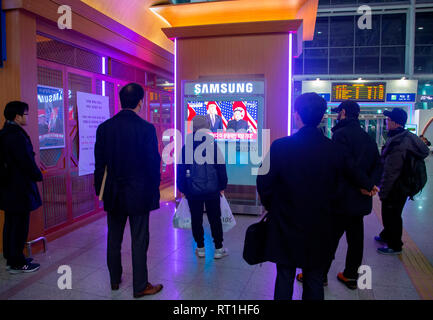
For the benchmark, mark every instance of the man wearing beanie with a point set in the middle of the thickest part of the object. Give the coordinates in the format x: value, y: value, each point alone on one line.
x: 400, y: 145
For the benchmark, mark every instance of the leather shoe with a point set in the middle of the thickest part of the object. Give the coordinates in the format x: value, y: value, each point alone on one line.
x: 150, y: 289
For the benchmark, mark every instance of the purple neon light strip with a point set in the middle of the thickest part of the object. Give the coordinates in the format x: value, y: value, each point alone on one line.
x: 175, y: 118
x: 289, y: 122
x: 103, y: 72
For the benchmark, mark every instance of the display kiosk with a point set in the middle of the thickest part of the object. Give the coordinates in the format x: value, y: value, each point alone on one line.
x: 236, y: 57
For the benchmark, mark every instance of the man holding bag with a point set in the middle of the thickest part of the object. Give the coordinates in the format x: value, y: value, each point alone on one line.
x: 202, y: 180
x: 299, y: 192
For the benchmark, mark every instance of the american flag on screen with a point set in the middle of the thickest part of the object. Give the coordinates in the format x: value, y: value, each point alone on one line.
x: 225, y: 110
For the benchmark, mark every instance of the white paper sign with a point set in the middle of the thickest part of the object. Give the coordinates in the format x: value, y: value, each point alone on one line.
x: 92, y: 111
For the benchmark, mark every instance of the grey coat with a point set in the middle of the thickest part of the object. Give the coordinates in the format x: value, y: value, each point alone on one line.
x: 393, y: 157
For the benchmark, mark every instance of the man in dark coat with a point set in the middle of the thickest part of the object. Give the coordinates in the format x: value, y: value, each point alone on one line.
x: 299, y: 191
x: 19, y: 194
x: 127, y: 149
x: 214, y: 120
x: 360, y: 149
x: 238, y: 123
x: 400, y: 144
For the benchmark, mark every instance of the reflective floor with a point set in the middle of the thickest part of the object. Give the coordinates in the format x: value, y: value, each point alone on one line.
x: 172, y: 262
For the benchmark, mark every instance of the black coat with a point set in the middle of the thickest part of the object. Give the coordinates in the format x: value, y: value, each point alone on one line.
x: 362, y: 150
x: 184, y: 164
x: 299, y: 192
x: 128, y: 146
x: 18, y: 191
x: 218, y: 125
x: 237, y: 125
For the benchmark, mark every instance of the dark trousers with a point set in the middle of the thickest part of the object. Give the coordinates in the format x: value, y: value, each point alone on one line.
x: 312, y: 283
x: 213, y: 210
x: 15, y: 233
x: 392, y: 209
x: 139, y: 226
x: 354, y: 228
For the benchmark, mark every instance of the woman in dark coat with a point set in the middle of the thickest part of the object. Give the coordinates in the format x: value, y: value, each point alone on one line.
x: 202, y: 185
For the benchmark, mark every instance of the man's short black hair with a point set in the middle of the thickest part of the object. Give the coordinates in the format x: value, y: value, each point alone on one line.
x: 15, y: 108
x: 131, y: 95
x: 311, y: 107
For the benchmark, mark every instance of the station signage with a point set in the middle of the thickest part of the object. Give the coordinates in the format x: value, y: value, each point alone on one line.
x: 425, y: 98
x: 401, y: 97
x: 361, y: 92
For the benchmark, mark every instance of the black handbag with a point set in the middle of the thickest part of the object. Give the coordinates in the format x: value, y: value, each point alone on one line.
x: 255, y: 242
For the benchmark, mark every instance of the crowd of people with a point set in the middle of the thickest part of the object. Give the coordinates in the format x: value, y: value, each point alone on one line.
x: 316, y: 190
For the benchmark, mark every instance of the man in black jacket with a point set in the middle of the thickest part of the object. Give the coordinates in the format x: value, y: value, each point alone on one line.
x: 202, y: 181
x: 299, y: 192
x: 362, y: 151
x: 400, y: 144
x: 127, y: 149
x: 19, y: 194
x: 238, y: 123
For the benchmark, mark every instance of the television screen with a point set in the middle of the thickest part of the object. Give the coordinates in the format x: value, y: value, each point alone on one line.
x: 50, y: 118
x: 228, y: 119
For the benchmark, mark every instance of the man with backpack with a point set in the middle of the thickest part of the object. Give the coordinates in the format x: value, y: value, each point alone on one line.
x: 202, y: 177
x: 404, y: 175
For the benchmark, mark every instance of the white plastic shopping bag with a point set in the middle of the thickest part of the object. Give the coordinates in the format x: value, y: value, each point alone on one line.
x: 227, y: 218
x: 182, y: 216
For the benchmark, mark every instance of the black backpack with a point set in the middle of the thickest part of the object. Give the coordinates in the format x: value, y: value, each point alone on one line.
x: 201, y: 179
x: 414, y: 175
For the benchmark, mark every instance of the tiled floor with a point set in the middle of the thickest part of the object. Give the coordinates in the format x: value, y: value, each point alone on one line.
x: 173, y: 263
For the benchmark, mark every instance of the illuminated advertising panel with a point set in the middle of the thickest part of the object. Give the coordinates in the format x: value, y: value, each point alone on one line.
x: 234, y: 110
x: 51, y: 118
x: 360, y: 92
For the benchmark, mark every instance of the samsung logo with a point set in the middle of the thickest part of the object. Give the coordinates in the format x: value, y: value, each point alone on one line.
x: 50, y: 98
x: 215, y: 88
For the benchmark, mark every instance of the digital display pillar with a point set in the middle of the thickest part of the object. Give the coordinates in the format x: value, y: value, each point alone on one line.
x: 240, y: 76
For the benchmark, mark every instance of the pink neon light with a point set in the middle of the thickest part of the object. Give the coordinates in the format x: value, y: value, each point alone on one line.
x: 175, y: 117
x: 289, y: 122
x: 103, y: 72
